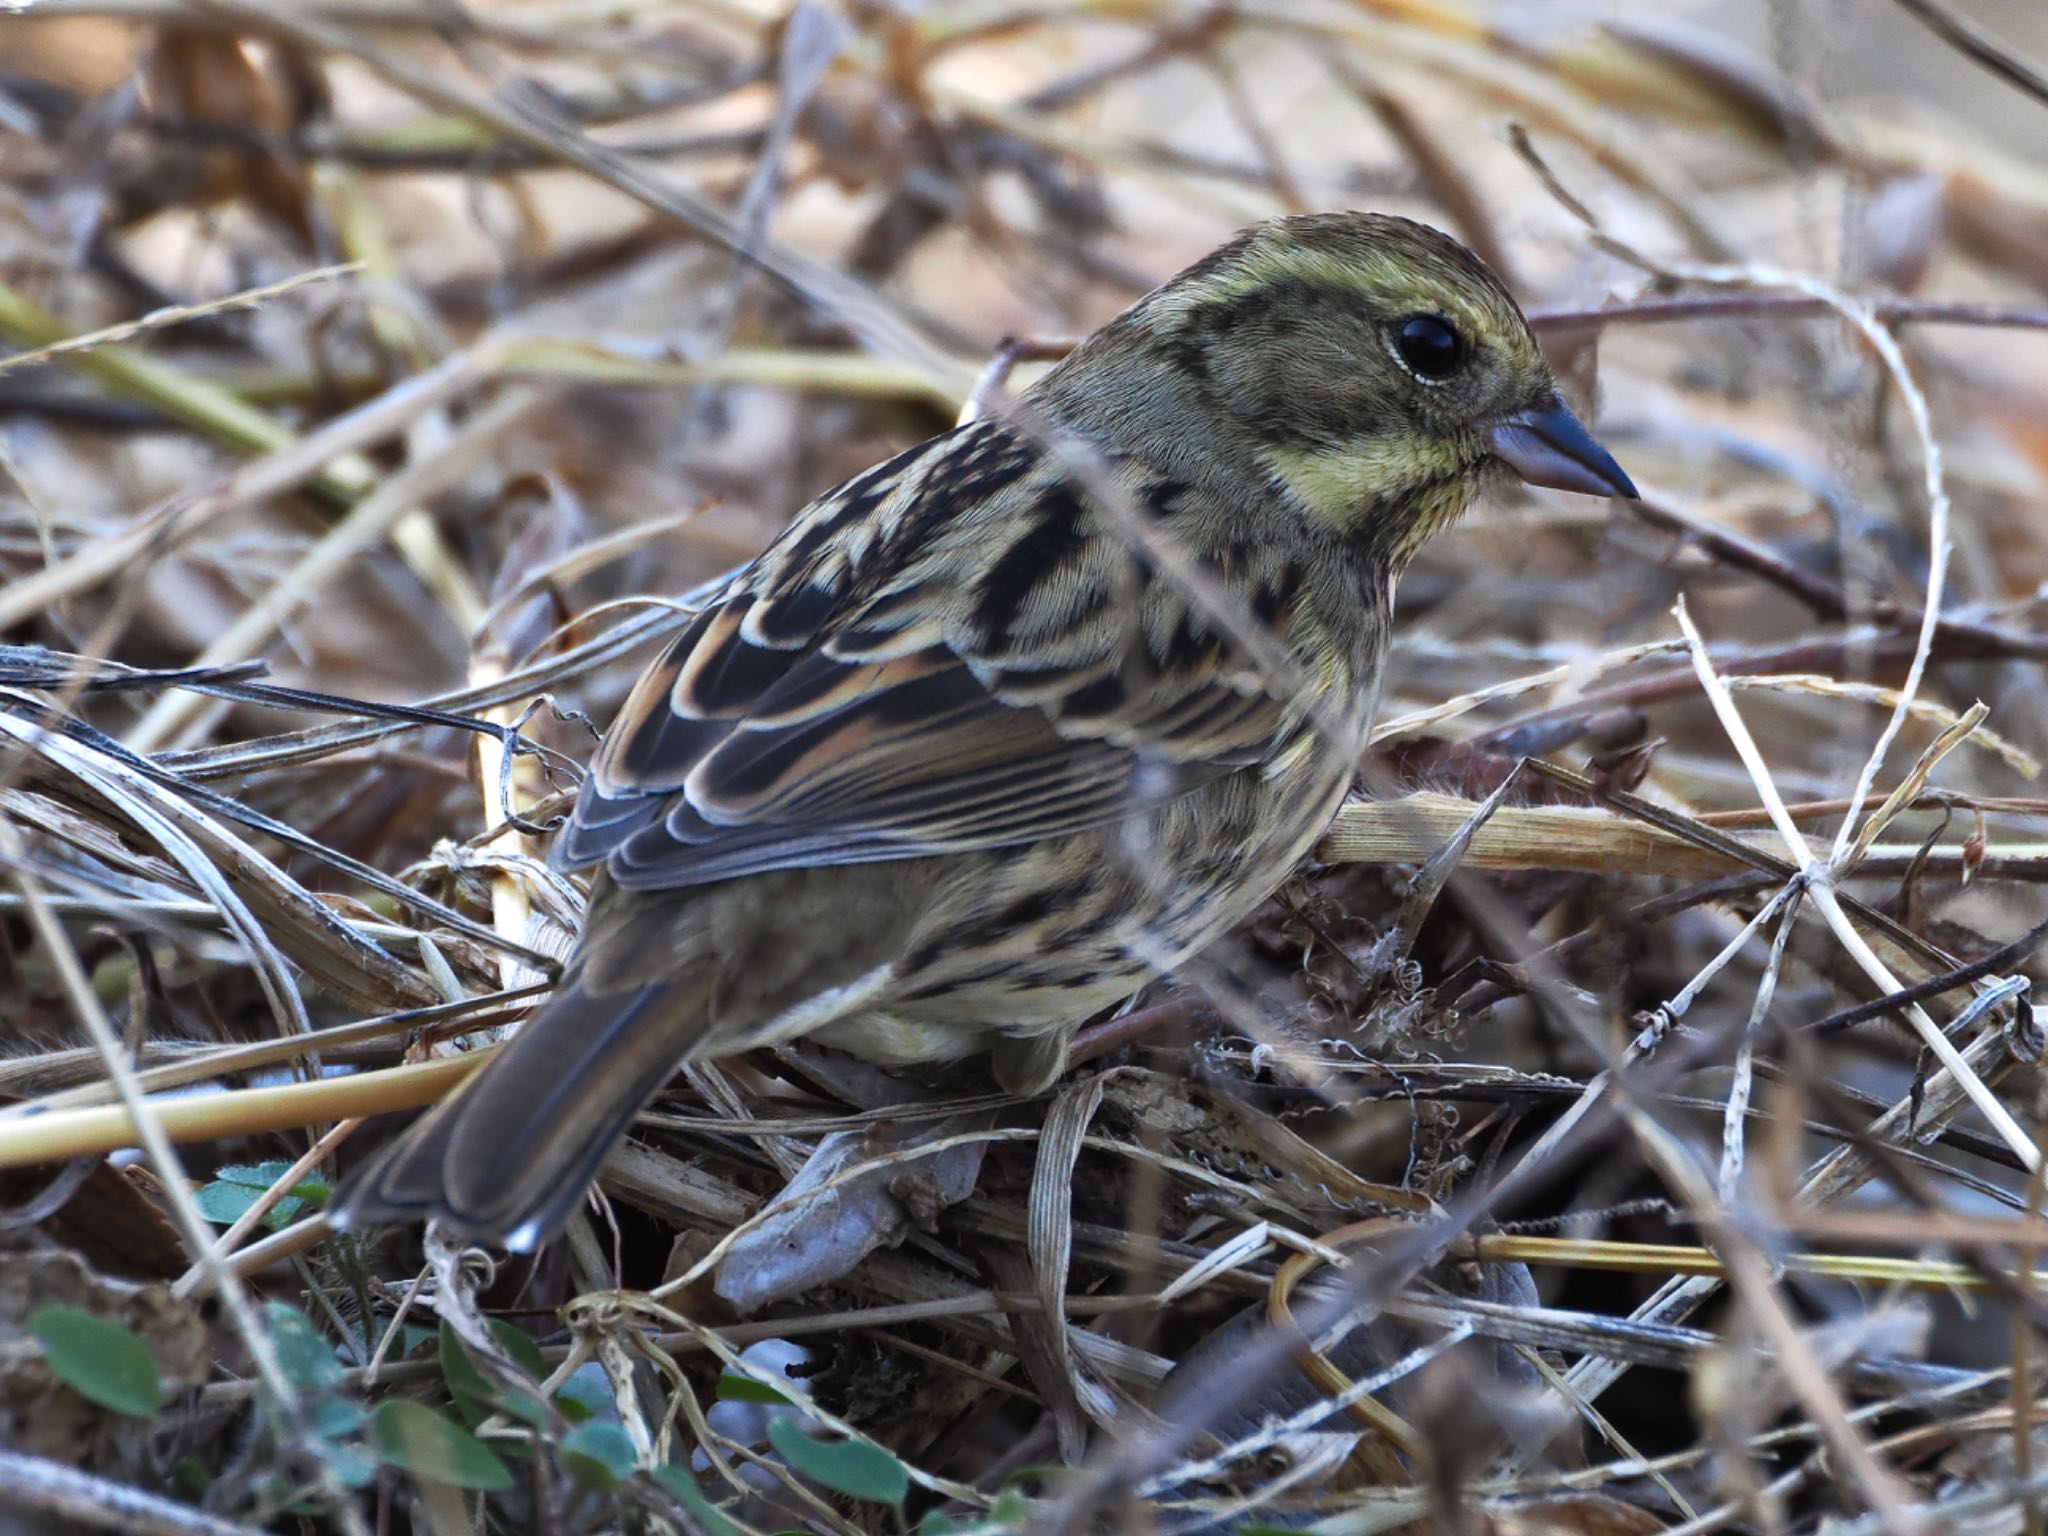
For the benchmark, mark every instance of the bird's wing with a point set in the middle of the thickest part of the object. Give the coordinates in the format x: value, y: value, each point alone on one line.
x: 948, y: 652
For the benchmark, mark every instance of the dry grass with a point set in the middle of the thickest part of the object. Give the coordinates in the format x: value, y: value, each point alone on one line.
x: 1627, y: 1124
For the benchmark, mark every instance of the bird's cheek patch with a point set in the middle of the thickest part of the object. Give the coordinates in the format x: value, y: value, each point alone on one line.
x: 1348, y: 483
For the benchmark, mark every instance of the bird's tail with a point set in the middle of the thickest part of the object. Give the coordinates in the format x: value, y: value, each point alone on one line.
x: 507, y: 1157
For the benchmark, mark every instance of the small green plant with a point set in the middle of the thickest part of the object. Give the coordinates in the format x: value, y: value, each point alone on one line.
x: 103, y: 1362
x: 238, y: 1186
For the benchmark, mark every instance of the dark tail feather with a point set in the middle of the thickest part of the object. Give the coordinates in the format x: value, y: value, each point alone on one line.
x: 509, y: 1155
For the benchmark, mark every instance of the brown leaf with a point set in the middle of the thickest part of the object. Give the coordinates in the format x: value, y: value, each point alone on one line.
x: 108, y: 1219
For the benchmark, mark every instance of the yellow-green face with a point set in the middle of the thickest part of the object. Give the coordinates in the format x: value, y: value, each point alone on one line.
x: 1372, y: 368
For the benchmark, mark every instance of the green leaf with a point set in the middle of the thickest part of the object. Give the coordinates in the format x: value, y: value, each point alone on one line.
x: 587, y: 1394
x: 290, y: 1496
x: 260, y: 1176
x: 226, y: 1204
x: 428, y: 1444
x: 852, y: 1467
x: 101, y: 1361
x: 735, y: 1388
x: 306, y: 1357
x: 335, y: 1418
x: 519, y: 1345
x: 355, y: 1468
x: 475, y: 1394
x: 1049, y: 1473
x: 684, y: 1490
x: 191, y: 1479
x: 598, y: 1455
x: 237, y: 1187
x: 524, y: 1407
x: 458, y: 1370
x: 461, y: 1372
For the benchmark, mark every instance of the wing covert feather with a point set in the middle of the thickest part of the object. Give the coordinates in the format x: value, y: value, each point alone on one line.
x: 945, y: 653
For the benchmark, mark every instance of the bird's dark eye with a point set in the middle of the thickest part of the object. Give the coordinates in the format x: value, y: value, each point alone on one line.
x: 1430, y: 345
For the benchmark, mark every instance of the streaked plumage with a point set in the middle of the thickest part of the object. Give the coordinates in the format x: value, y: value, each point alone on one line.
x: 956, y: 762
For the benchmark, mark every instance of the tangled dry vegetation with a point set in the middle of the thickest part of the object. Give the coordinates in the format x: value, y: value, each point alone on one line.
x: 1623, y: 1126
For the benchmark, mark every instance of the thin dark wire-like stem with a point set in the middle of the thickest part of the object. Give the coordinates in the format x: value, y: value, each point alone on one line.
x: 1974, y: 43
x: 1739, y: 305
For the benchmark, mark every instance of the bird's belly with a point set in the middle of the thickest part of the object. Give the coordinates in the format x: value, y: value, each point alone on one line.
x: 934, y: 959
x: 1230, y: 849
x: 894, y: 1039
x: 1040, y: 938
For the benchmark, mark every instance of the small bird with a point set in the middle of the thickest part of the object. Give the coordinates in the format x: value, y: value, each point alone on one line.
x: 1001, y: 728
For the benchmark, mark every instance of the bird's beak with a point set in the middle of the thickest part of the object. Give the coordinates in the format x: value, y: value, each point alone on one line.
x: 1546, y: 445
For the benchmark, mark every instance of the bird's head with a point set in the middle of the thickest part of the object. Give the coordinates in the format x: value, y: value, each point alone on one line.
x: 1370, y: 368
